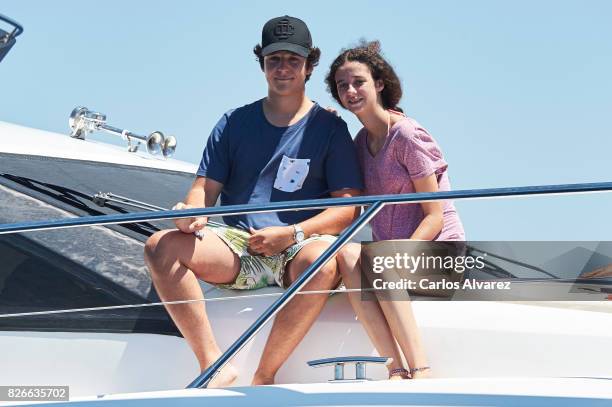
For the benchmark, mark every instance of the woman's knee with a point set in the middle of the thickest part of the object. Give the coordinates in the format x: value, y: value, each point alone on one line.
x: 348, y: 258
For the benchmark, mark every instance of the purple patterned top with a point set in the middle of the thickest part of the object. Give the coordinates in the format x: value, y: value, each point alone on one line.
x: 409, y: 153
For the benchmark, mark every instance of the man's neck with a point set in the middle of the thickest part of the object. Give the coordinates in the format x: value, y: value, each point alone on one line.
x: 284, y: 111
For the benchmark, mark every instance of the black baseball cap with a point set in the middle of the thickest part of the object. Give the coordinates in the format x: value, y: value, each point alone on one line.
x: 286, y: 34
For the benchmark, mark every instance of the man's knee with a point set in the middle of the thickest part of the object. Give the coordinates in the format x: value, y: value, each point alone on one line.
x: 305, y: 258
x: 156, y: 248
x: 327, y: 276
x: 329, y: 273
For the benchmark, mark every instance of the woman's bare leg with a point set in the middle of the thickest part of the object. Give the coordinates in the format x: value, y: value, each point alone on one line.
x: 403, y: 325
x: 367, y: 309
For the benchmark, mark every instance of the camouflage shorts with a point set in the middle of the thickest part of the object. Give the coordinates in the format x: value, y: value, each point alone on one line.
x: 258, y: 271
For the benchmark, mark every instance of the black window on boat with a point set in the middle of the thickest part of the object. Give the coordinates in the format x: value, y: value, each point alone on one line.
x: 85, y: 267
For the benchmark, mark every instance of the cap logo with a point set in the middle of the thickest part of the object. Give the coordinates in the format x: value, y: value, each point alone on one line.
x: 283, y: 30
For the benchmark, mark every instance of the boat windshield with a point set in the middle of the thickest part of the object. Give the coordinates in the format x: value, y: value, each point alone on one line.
x: 71, y: 185
x: 81, y: 267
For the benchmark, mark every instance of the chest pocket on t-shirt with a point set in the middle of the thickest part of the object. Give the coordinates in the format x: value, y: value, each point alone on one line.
x: 291, y: 174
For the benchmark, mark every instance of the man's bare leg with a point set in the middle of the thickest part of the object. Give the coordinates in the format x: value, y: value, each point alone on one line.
x: 295, y: 319
x: 176, y: 260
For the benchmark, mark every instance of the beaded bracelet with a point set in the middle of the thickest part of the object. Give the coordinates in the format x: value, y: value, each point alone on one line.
x: 400, y: 371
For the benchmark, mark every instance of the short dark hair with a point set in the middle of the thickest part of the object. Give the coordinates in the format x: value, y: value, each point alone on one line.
x: 312, y: 59
x: 369, y: 53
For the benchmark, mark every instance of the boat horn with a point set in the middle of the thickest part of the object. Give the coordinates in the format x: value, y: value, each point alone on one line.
x: 83, y: 121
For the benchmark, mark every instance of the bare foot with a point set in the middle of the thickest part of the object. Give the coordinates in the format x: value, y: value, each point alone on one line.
x: 422, y: 374
x: 261, y: 380
x: 225, y: 378
x: 397, y: 377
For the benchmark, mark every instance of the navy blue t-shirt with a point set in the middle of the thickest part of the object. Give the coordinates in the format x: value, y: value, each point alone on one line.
x: 259, y: 163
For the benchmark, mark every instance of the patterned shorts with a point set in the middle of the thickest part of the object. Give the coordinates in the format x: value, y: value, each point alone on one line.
x: 258, y: 271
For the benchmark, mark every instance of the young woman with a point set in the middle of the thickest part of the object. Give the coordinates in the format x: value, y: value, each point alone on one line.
x: 397, y: 155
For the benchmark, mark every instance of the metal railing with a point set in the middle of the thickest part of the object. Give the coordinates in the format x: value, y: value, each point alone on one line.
x: 374, y: 203
x: 308, y: 204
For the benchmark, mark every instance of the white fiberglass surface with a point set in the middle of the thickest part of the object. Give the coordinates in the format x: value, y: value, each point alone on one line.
x: 464, y: 340
x: 24, y: 140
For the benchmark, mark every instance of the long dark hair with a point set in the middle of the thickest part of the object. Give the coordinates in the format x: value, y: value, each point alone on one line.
x: 369, y: 53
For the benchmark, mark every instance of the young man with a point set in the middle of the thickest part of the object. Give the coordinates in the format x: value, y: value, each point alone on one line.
x: 282, y: 147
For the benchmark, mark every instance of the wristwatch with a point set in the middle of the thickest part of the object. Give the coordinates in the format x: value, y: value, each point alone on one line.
x: 298, y: 233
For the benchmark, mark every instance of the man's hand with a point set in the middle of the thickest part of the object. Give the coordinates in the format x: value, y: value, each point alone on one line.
x: 271, y: 240
x: 601, y: 272
x: 189, y: 225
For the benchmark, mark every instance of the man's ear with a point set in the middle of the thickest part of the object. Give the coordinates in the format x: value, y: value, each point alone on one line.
x: 379, y: 85
x: 309, y: 69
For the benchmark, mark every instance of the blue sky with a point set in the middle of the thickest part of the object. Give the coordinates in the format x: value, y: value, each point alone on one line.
x: 516, y: 92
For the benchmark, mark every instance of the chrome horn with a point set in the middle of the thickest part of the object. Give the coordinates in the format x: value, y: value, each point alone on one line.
x: 83, y: 121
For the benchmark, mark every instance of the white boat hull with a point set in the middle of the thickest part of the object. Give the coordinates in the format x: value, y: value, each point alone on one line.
x: 465, y: 340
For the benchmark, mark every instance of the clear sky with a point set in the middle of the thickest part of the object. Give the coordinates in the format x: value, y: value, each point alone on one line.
x: 516, y: 92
